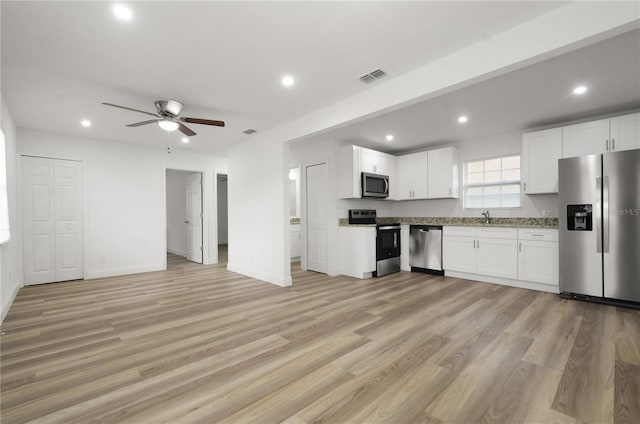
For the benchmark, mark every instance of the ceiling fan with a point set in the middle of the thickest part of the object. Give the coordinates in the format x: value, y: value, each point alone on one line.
x: 168, y: 117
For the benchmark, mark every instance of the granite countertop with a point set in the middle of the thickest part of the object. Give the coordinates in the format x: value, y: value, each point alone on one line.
x: 551, y: 223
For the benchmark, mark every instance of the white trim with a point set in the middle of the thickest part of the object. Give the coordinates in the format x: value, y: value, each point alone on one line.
x: 6, y: 303
x: 267, y: 278
x: 177, y: 252
x: 550, y: 288
x: 114, y: 272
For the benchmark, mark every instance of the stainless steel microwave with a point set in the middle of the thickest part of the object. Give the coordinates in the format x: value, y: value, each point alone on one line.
x: 375, y: 185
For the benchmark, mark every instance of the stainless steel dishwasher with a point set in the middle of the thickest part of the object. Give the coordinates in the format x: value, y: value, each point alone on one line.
x: 425, y: 249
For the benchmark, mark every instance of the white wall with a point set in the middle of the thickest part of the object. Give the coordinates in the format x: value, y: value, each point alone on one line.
x: 259, y: 211
x: 259, y: 164
x: 10, y: 252
x: 177, y: 211
x: 483, y: 148
x: 125, y: 207
x: 223, y: 209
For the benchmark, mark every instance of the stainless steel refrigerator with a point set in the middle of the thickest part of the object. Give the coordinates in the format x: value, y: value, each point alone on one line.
x: 600, y: 226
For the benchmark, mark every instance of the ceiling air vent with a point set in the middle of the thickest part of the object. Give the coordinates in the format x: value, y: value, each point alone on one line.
x: 373, y: 76
x: 249, y: 131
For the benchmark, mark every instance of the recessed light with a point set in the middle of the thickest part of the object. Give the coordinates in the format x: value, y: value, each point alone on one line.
x: 122, y: 12
x: 462, y: 119
x: 288, y: 81
x: 389, y: 137
x: 85, y: 123
x: 581, y: 89
x: 185, y: 140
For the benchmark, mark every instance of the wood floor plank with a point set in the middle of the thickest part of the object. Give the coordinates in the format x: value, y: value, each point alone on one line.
x: 198, y: 343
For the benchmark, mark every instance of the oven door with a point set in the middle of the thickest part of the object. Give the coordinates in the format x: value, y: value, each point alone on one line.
x: 387, y: 242
x: 374, y: 185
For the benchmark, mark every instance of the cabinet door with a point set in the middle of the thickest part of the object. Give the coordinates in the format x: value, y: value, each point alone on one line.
x: 459, y: 254
x: 540, y: 153
x: 538, y: 261
x: 405, y: 172
x: 369, y: 161
x: 585, y: 139
x: 421, y: 172
x: 295, y: 241
x: 625, y: 132
x: 498, y: 257
x: 442, y: 171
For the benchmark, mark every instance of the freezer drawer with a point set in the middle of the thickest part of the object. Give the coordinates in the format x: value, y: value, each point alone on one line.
x: 425, y: 248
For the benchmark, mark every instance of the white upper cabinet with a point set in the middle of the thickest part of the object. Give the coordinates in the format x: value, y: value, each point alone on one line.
x: 540, y: 153
x: 625, y: 132
x: 587, y: 138
x: 354, y: 160
x: 412, y: 176
x: 443, y: 170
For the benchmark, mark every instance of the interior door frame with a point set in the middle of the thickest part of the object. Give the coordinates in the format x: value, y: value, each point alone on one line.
x: 209, y: 212
x: 19, y: 204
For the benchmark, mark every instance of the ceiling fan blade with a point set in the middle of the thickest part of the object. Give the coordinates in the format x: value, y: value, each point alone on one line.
x: 129, y: 108
x: 186, y: 130
x: 203, y: 121
x: 138, y: 124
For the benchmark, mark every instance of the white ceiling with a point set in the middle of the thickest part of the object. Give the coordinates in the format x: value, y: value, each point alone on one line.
x: 224, y: 60
x: 535, y: 96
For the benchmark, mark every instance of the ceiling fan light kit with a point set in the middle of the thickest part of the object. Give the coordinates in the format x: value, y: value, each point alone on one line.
x: 168, y: 117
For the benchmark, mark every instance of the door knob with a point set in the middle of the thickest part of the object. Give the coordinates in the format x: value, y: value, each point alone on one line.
x: 186, y: 222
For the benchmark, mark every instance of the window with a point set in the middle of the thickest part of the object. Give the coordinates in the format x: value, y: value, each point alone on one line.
x: 492, y: 183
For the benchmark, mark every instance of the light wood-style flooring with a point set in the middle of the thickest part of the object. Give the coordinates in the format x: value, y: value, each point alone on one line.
x: 200, y: 344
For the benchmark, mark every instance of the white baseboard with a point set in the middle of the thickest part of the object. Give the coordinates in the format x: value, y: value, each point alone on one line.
x: 273, y: 279
x: 112, y: 272
x: 550, y: 288
x: 177, y: 252
x: 6, y: 303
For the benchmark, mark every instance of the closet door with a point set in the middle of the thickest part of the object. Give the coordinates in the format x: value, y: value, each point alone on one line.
x: 68, y: 219
x: 51, y: 220
x: 38, y: 220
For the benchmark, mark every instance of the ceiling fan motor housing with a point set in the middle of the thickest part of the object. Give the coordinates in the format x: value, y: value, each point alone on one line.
x: 168, y: 107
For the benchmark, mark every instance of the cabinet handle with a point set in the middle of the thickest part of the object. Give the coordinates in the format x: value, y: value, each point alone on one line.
x: 525, y: 187
x: 478, y: 243
x: 613, y: 145
x: 607, y: 144
x: 520, y: 247
x: 449, y: 190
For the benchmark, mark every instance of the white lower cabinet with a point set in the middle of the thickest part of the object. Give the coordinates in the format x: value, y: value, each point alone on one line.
x: 295, y: 240
x: 497, y: 257
x: 538, y: 256
x: 487, y: 251
x: 519, y: 257
x: 357, y: 251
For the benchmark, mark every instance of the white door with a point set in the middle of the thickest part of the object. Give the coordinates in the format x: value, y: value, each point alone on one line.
x: 540, y: 153
x: 52, y: 220
x: 459, y: 254
x: 421, y: 175
x: 440, y: 173
x: 538, y: 261
x: 68, y: 219
x: 194, y: 217
x: 317, y: 234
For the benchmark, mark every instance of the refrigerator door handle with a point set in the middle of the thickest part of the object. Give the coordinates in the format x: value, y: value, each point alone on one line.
x: 598, y: 217
x: 605, y: 214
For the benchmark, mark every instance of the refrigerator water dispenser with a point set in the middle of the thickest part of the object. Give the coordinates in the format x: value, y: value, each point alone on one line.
x: 579, y: 217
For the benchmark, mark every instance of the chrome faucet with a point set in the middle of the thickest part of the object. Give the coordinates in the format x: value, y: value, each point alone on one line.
x: 487, y: 217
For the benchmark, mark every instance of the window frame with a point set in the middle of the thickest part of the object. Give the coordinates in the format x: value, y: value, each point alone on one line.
x: 465, y: 183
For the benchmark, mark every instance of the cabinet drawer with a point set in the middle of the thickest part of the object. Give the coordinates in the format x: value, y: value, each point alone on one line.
x: 459, y: 231
x: 498, y: 232
x: 540, y: 234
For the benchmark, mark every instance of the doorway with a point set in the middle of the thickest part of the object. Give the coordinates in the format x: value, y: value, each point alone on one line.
x: 317, y: 232
x: 223, y: 219
x: 184, y: 214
